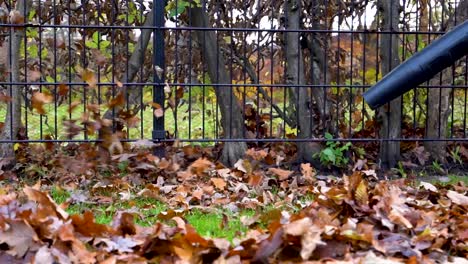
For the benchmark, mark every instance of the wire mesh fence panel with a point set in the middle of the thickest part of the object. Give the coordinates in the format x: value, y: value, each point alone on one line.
x: 227, y: 71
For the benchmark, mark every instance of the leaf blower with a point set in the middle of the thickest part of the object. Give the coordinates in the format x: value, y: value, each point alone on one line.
x: 420, y: 67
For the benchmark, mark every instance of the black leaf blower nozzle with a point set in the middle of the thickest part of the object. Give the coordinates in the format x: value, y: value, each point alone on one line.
x: 421, y: 67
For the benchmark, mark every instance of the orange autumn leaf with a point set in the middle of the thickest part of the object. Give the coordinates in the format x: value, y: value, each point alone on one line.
x: 200, y: 166
x: 38, y: 100
x: 16, y: 17
x: 89, y: 77
x: 119, y: 100
x: 308, y: 172
x: 255, y: 179
x: 4, y: 98
x: 282, y: 174
x: 219, y: 183
x: 73, y: 106
x: 63, y: 89
x: 257, y: 154
x: 86, y: 225
x: 198, y: 194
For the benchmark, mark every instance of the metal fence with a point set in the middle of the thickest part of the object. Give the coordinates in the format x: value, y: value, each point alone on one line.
x: 171, y: 71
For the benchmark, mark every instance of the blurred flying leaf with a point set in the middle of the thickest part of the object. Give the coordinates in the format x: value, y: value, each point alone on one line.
x: 63, y: 89
x: 38, y: 100
x: 158, y: 110
x: 34, y: 75
x: 89, y: 77
x: 159, y: 71
x: 119, y: 100
x: 167, y: 88
x: 16, y: 17
x: 4, y: 98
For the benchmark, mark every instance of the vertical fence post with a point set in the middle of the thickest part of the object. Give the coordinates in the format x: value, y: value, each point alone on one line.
x: 158, y: 72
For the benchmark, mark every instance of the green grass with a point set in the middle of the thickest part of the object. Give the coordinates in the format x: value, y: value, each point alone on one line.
x: 149, y: 208
x: 104, y: 213
x: 208, y: 224
x: 211, y: 224
x: 193, y: 120
x: 59, y: 195
x: 452, y: 179
x: 51, y: 123
x: 202, y: 113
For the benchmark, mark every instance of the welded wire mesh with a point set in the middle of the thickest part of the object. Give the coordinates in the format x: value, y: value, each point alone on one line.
x: 81, y: 62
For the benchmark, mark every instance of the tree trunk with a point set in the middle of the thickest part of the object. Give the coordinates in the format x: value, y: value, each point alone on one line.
x: 389, y: 115
x: 438, y: 100
x: 423, y: 15
x: 231, y: 113
x: 295, y: 76
x: 13, y: 114
x: 318, y: 63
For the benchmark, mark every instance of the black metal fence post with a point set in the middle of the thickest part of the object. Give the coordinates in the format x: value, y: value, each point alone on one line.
x: 158, y: 72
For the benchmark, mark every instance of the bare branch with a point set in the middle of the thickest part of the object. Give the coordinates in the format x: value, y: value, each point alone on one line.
x: 245, y: 63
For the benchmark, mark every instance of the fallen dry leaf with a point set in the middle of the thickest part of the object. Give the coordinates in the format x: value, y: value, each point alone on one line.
x: 200, y: 166
x: 282, y: 174
x: 86, y: 225
x: 458, y: 198
x: 44, y: 255
x: 308, y: 172
x: 219, y: 183
x: 299, y: 227
x: 310, y: 240
x: 19, y: 237
x: 243, y: 165
x: 428, y: 186
x: 316, y: 218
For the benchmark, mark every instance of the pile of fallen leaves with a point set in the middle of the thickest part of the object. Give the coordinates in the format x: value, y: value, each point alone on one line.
x: 356, y: 219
